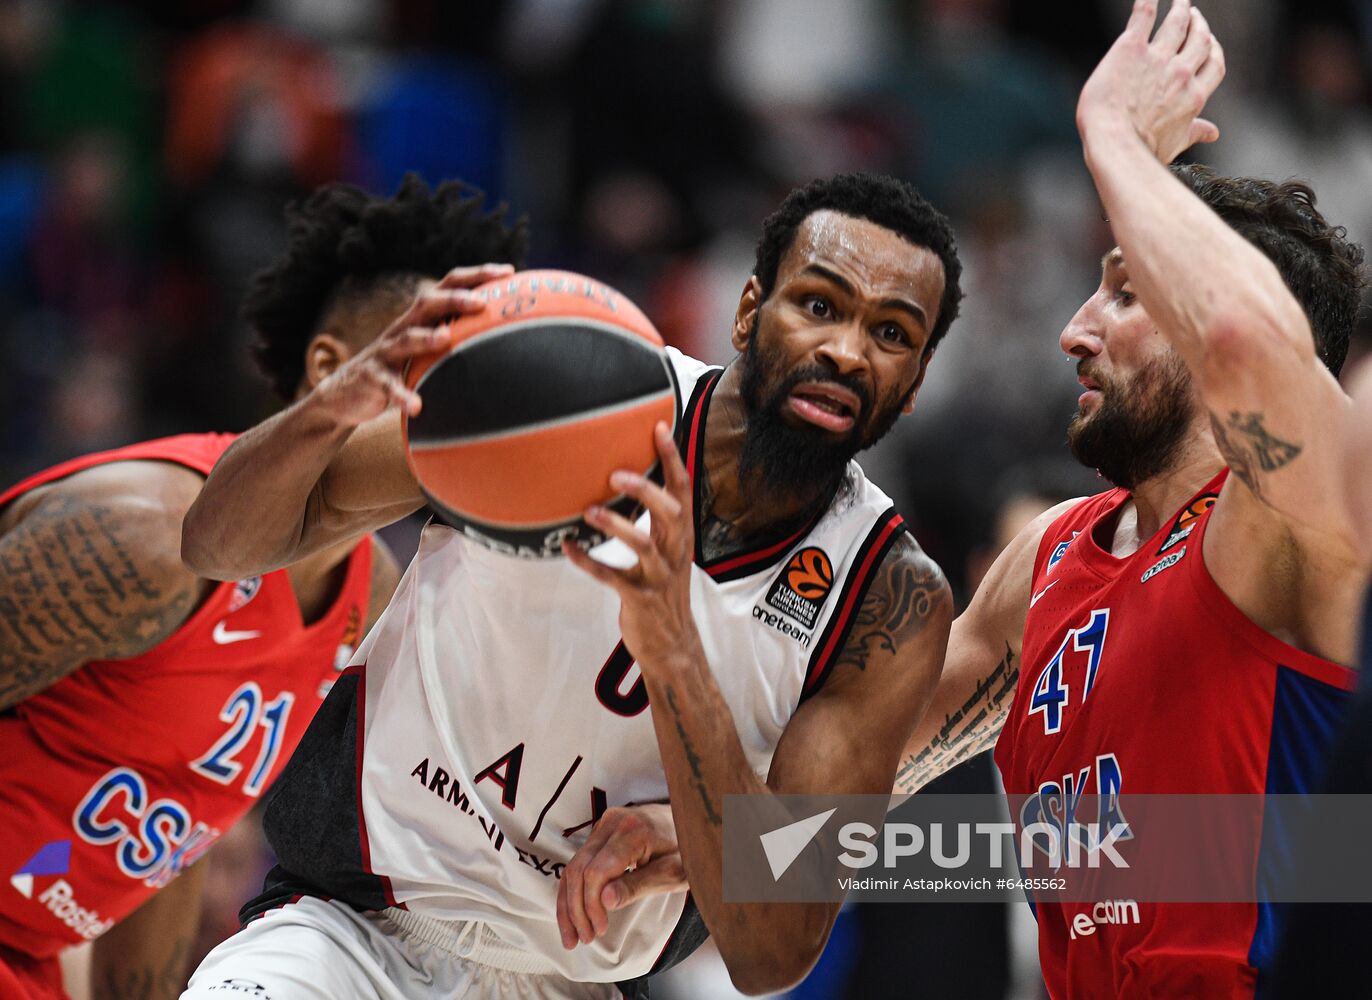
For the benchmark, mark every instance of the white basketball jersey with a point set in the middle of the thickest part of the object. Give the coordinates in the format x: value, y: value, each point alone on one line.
x: 501, y: 715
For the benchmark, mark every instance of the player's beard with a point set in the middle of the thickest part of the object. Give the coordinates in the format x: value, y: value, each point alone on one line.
x: 1140, y: 425
x: 790, y: 458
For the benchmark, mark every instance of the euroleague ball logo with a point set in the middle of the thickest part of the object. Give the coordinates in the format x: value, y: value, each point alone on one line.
x: 802, y: 587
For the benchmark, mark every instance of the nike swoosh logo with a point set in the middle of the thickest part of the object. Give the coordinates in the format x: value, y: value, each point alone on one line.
x: 1035, y: 599
x: 224, y: 636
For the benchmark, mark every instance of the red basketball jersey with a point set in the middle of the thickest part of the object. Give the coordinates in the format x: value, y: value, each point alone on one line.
x: 1138, y: 675
x: 124, y: 772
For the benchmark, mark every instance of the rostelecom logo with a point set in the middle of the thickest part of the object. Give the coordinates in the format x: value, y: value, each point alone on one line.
x: 802, y: 587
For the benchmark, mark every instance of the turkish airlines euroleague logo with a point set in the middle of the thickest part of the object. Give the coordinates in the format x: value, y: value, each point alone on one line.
x: 802, y: 587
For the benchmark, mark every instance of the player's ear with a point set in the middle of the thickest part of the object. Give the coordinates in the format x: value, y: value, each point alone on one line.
x: 324, y: 356
x: 746, y: 314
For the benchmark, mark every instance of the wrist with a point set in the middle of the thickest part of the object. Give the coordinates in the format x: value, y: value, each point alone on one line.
x: 318, y: 415
x: 1107, y: 132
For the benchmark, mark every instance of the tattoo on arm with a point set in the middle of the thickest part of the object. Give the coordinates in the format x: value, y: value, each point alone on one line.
x: 895, y: 609
x: 968, y: 731
x: 1250, y: 448
x: 72, y: 589
x: 693, y: 759
x: 165, y: 981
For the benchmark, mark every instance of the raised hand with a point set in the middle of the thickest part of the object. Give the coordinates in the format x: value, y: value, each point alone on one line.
x: 655, y: 594
x: 1157, y: 87
x: 630, y: 855
x: 373, y: 379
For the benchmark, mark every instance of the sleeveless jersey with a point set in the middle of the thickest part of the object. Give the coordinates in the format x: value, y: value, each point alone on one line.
x: 1140, y: 676
x: 125, y: 771
x: 496, y: 714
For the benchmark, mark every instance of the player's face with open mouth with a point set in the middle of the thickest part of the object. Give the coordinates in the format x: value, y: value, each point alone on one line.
x: 845, y: 327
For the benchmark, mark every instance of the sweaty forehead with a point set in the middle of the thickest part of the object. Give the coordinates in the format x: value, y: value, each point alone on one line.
x: 877, y: 260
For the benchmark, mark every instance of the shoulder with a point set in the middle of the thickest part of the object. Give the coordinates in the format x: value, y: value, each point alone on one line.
x: 98, y: 553
x: 907, y: 605
x: 1001, y: 603
x: 686, y: 368
x: 907, y: 572
x: 142, y: 499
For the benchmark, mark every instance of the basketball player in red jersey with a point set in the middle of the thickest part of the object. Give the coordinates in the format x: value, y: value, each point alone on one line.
x: 146, y: 708
x: 1189, y: 631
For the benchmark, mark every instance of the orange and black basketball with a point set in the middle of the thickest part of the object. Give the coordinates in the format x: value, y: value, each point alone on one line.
x: 555, y: 385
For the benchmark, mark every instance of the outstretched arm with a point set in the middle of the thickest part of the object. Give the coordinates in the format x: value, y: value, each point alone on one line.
x: 1217, y: 299
x: 90, y: 570
x: 331, y: 467
x: 981, y: 670
x: 845, y: 739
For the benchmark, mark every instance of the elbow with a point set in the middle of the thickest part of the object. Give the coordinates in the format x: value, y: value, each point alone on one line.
x: 774, y: 966
x: 201, y: 552
x: 192, y: 551
x: 1238, y: 339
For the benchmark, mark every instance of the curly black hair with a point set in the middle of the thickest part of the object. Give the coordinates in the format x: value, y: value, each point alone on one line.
x: 341, y: 239
x: 890, y: 203
x: 1322, y: 269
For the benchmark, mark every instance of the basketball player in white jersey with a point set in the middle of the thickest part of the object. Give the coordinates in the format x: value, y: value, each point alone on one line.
x: 492, y: 716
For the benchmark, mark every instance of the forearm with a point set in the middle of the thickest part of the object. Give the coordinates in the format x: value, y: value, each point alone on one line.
x: 964, y: 719
x: 1209, y: 290
x: 255, y: 509
x: 766, y: 946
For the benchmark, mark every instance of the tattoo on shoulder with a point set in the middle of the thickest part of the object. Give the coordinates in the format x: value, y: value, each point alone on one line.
x: 72, y: 591
x: 1250, y: 448
x: 908, y: 589
x: 968, y: 731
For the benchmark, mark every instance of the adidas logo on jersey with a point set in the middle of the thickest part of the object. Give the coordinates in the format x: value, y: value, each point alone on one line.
x: 803, y: 585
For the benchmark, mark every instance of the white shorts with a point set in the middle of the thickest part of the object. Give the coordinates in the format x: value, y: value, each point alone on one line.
x: 318, y: 950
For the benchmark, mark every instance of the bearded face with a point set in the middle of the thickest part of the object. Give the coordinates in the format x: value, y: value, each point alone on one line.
x: 1140, y: 423
x: 790, y: 457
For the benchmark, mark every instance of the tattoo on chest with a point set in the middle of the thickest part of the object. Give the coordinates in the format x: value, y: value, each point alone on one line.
x: 968, y: 731
x: 719, y: 537
x: 1250, y: 448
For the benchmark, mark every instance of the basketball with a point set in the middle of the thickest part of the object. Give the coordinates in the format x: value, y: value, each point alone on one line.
x: 555, y: 385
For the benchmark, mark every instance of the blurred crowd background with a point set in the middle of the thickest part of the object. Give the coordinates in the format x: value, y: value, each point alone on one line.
x: 147, y: 148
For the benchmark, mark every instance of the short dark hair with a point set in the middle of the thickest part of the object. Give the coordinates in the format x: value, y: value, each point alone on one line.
x: 890, y: 203
x: 341, y: 237
x: 1322, y: 269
